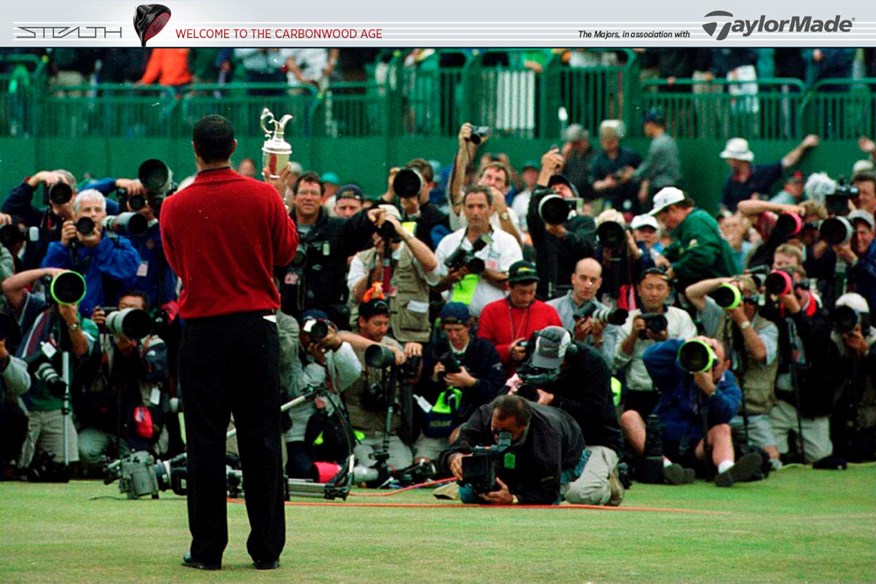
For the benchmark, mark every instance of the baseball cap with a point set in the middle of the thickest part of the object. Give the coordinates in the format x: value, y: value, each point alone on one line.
x: 309, y: 317
x: 530, y: 164
x: 798, y: 176
x: 374, y: 307
x: 558, y: 179
x: 330, y: 177
x: 296, y: 167
x: 665, y: 197
x: 640, y: 221
x: 522, y: 271
x: 455, y: 313
x: 655, y: 117
x: 350, y: 191
x: 861, y: 215
x: 551, y: 344
x: 737, y: 149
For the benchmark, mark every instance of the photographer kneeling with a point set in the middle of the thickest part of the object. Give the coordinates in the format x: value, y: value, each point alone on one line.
x: 534, y: 451
x: 698, y: 399
x: 574, y: 377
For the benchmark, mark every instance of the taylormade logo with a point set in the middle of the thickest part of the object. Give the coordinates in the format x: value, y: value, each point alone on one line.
x: 763, y: 24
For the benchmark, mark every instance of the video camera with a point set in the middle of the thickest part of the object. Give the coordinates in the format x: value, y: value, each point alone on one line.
x: 533, y: 378
x: 837, y: 202
x: 139, y: 474
x: 605, y: 315
x: 654, y: 322
x: 479, y: 470
x: 465, y: 258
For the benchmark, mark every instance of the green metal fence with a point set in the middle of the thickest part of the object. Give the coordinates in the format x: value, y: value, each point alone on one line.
x: 21, y: 82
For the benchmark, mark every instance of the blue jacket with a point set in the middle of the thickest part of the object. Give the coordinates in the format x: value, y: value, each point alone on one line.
x: 678, y: 408
x: 863, y: 276
x: 114, y: 258
x: 159, y: 281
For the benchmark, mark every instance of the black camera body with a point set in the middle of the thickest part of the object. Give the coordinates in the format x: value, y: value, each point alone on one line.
x: 478, y: 133
x: 479, y: 470
x: 652, y: 467
x: 837, y: 202
x: 654, y: 322
x: 465, y: 258
x: 139, y: 474
x: 554, y: 209
x: 44, y: 365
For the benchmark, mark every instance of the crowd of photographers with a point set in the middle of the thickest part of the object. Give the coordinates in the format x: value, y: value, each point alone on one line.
x: 538, y: 358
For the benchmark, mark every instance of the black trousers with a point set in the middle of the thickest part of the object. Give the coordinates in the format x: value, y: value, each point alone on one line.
x: 229, y: 365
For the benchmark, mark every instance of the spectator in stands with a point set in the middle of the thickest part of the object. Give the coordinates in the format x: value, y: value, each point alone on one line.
x: 316, y: 278
x: 662, y: 165
x: 792, y: 193
x: 752, y: 344
x: 413, y: 269
x: 578, y: 155
x: 594, y: 332
x: 311, y: 67
x: 60, y: 324
x: 748, y: 181
x: 698, y: 251
x: 247, y: 167
x: 581, y: 386
x: 466, y: 286
x: 330, y: 182
x: 558, y: 247
x: 71, y: 67
x: 642, y: 329
x: 168, y: 67
x: 610, y: 185
x: 108, y: 261
x: 509, y: 322
x: 455, y: 395
x: 131, y: 379
x: 121, y: 65
x: 262, y: 66
x: 715, y: 395
x: 520, y: 204
x: 865, y: 182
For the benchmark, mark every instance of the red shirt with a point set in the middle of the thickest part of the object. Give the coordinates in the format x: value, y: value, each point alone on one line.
x: 502, y: 324
x: 222, y: 236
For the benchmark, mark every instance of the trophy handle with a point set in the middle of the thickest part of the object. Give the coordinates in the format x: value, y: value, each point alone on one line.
x: 281, y: 125
x: 267, y: 118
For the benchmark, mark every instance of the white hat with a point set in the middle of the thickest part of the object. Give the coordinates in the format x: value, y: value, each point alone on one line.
x: 737, y: 149
x: 576, y: 133
x: 645, y: 220
x: 862, y: 215
x: 854, y: 301
x: 861, y: 166
x: 391, y: 210
x: 665, y: 197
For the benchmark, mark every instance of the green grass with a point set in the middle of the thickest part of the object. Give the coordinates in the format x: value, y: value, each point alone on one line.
x: 798, y: 526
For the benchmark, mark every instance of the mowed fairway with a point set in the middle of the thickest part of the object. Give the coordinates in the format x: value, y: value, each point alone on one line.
x: 800, y: 525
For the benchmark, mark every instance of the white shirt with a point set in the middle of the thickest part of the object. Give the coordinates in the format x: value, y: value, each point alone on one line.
x: 499, y: 255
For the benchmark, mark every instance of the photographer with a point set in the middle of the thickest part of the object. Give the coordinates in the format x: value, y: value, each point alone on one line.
x: 309, y: 361
x: 124, y: 403
x: 807, y: 381
x: 480, y: 276
x: 698, y: 252
x: 410, y: 195
x: 45, y: 322
x: 753, y: 343
x: 545, y: 452
x: 413, y: 268
x: 853, y: 422
x: 574, y: 377
x: 695, y: 410
x: 578, y: 307
x: 778, y: 224
x: 562, y: 240
x: 108, y: 262
x: 367, y: 398
x: 466, y: 373
x: 509, y: 322
x: 315, y: 279
x: 60, y: 191
x: 14, y: 383
x: 654, y: 322
x: 495, y: 176
x: 862, y: 261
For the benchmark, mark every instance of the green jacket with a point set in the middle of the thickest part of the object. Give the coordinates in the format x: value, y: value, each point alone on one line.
x: 699, y: 252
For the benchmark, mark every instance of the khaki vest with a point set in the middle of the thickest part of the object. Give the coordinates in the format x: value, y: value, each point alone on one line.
x: 406, y: 326
x: 758, y: 381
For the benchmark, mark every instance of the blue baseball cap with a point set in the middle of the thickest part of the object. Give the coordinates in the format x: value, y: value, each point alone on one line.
x: 455, y: 313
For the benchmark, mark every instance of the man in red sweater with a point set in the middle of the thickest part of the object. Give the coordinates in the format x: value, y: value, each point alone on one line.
x: 223, y: 235
x: 508, y: 323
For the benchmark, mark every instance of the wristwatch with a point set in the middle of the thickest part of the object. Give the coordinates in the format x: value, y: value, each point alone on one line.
x: 745, y: 324
x: 73, y: 327
x: 504, y: 215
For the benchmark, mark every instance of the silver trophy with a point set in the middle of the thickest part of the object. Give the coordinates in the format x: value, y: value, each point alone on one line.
x: 275, y: 151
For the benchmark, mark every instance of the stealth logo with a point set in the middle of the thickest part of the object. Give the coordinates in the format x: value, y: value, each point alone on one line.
x: 795, y: 24
x: 711, y: 27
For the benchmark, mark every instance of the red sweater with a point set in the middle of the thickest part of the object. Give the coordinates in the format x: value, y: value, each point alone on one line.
x: 168, y: 67
x: 502, y: 324
x: 223, y: 235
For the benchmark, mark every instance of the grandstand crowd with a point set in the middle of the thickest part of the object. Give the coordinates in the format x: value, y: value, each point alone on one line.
x: 459, y: 274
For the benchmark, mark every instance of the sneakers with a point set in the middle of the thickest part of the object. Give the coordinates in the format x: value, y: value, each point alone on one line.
x: 744, y: 469
x: 448, y: 491
x: 189, y: 562
x: 675, y: 474
x: 616, y: 488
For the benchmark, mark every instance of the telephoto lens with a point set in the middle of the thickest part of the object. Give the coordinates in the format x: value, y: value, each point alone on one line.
x: 85, y: 225
x: 727, y: 296
x: 407, y: 183
x: 60, y: 193
x: 379, y: 357
x: 695, y: 356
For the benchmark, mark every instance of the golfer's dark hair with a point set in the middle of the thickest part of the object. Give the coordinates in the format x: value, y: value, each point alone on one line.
x: 513, y: 406
x: 213, y: 137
